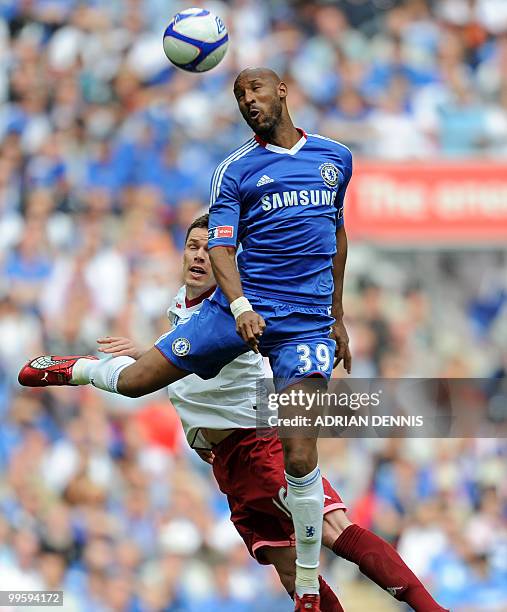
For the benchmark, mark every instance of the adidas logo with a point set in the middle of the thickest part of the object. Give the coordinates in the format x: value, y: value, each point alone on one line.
x: 264, y: 180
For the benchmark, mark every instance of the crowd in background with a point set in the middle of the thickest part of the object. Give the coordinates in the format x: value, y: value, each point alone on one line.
x: 106, y: 153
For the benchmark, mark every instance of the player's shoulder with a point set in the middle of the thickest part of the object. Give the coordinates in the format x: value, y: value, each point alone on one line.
x: 330, y: 143
x: 180, y: 296
x: 177, y: 305
x: 240, y: 153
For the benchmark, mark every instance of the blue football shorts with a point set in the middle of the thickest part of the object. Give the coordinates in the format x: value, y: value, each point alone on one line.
x: 296, y: 340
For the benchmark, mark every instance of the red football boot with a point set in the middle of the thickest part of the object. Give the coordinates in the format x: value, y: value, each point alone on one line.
x: 307, y: 603
x: 48, y: 370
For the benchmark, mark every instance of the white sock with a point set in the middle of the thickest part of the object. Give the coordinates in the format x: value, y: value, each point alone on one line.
x: 102, y: 373
x: 305, y: 498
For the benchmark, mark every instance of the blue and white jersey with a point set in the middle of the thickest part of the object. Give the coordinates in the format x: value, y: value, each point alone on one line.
x: 283, y: 206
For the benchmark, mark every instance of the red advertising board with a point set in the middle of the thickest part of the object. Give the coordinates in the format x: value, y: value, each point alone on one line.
x: 452, y: 203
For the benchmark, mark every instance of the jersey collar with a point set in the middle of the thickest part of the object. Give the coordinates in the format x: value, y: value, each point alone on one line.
x: 199, y: 298
x: 281, y: 150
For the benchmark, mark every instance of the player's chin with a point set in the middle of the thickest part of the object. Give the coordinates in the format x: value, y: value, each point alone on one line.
x: 251, y: 123
x: 197, y: 282
x: 257, y: 125
x: 264, y: 128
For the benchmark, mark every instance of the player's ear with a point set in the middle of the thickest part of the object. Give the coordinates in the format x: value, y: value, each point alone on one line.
x: 282, y: 90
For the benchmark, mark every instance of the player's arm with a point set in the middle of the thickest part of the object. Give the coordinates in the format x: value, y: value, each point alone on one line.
x: 249, y: 324
x: 338, y: 331
x: 225, y: 207
x: 223, y: 262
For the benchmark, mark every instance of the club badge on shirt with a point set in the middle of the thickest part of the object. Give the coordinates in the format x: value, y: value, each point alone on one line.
x: 181, y: 347
x: 330, y: 173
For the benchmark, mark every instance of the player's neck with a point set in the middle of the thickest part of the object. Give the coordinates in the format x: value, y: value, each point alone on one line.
x: 195, y: 295
x: 284, y: 135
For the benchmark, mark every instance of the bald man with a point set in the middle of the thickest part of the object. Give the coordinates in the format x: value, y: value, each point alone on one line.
x: 280, y: 196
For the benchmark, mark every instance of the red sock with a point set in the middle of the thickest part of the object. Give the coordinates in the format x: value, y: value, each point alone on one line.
x: 328, y: 600
x: 380, y: 562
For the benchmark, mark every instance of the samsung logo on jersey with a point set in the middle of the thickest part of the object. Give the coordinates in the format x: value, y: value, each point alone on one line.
x: 312, y: 197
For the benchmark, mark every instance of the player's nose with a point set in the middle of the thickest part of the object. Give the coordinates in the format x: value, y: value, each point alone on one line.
x: 249, y: 98
x: 200, y: 255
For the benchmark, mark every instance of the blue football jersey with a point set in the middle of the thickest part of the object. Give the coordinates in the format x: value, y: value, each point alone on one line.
x: 283, y: 207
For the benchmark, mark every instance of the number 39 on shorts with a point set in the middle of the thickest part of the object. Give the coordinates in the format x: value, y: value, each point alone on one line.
x: 314, y: 358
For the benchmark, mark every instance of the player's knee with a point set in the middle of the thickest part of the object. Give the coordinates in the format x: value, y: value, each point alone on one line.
x: 300, y: 458
x: 298, y: 466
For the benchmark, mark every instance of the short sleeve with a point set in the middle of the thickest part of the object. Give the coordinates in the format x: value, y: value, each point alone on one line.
x: 224, y: 210
x: 340, y: 199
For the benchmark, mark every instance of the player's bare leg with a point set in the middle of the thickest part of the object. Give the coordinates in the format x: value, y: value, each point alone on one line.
x: 305, y: 499
x: 149, y: 373
x: 122, y: 375
x: 377, y: 560
x: 284, y: 561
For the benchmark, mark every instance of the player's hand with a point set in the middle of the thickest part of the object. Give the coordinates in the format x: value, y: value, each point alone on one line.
x: 118, y: 346
x: 250, y: 326
x: 206, y: 455
x: 342, y: 351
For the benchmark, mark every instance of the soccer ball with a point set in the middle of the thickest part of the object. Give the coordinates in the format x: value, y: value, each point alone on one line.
x: 196, y: 40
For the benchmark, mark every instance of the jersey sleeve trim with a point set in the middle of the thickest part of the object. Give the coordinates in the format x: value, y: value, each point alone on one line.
x: 225, y: 200
x: 346, y: 154
x: 331, y: 140
x: 218, y: 175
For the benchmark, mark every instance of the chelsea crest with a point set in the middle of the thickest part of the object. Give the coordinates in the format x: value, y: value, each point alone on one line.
x: 330, y: 173
x: 181, y: 347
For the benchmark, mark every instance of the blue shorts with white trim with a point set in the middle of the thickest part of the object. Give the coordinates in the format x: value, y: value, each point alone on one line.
x: 296, y: 339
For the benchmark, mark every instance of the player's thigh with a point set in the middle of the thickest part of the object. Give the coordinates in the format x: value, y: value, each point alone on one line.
x: 294, y: 361
x: 149, y: 373
x: 284, y: 560
x: 205, y: 343
x: 297, y: 342
x: 301, y: 368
